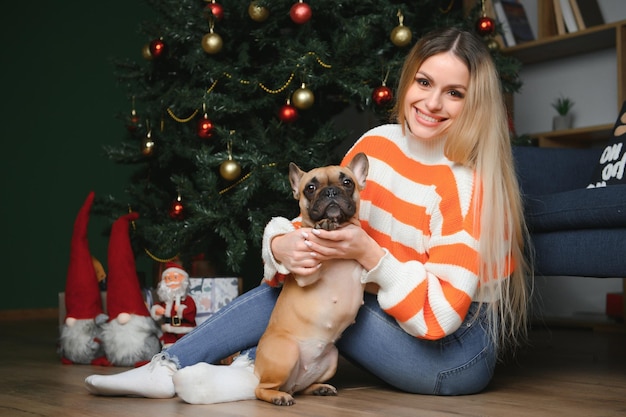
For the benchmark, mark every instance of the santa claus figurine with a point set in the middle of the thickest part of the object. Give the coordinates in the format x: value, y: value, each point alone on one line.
x: 80, y: 332
x: 131, y: 336
x: 176, y: 310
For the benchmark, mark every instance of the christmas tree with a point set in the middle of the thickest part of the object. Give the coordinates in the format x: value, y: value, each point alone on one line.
x: 227, y: 94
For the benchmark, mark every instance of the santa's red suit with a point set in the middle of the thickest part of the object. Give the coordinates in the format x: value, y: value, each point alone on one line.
x: 178, y: 320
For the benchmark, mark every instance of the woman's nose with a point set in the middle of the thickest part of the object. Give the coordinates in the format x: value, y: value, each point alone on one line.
x: 433, y: 101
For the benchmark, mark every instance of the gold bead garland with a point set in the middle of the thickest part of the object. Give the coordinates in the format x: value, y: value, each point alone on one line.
x: 261, y: 85
x: 244, y: 178
x: 146, y: 250
x: 179, y: 119
x: 157, y: 259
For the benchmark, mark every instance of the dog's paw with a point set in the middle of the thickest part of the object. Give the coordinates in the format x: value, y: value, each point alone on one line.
x: 326, y: 391
x: 284, y: 399
x: 321, y: 389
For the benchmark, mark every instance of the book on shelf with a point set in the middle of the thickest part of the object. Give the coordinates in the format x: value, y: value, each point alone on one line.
x: 507, y: 32
x: 518, y: 21
x: 558, y: 16
x: 568, y: 16
x: 590, y: 12
x: 577, y: 15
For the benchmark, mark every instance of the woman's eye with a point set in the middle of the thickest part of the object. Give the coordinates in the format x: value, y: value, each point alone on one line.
x: 457, y: 94
x: 422, y: 81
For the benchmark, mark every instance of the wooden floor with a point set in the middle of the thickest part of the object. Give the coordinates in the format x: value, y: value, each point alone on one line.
x: 566, y: 372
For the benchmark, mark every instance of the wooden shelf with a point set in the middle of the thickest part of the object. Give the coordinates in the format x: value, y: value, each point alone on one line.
x: 550, y: 48
x: 574, y: 138
x: 554, y: 47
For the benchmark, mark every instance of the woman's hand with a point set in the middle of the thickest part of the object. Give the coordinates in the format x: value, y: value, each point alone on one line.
x: 347, y: 242
x: 292, y: 251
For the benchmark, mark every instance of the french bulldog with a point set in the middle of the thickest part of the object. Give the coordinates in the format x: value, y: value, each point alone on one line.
x: 297, y: 352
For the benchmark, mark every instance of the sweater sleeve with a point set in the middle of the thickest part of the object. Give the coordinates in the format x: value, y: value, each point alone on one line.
x: 430, y: 299
x: 273, y: 271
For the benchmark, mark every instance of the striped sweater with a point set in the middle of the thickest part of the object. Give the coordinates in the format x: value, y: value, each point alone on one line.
x: 417, y: 205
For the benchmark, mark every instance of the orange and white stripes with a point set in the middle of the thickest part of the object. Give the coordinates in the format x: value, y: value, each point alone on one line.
x: 419, y: 207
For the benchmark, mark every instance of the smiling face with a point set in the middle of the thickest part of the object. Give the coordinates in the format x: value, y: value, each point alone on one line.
x: 436, y: 95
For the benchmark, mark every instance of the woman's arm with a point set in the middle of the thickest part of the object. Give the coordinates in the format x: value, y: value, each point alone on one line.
x: 285, y: 251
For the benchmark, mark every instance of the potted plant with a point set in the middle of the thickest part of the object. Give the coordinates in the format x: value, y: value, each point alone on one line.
x: 564, y: 119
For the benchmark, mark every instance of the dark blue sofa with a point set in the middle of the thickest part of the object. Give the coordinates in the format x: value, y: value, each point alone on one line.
x: 575, y: 231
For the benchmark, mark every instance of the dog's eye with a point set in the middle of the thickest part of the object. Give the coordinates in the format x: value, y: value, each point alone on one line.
x: 347, y: 182
x: 310, y: 187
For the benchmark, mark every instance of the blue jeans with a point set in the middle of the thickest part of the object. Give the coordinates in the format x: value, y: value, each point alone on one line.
x: 461, y: 363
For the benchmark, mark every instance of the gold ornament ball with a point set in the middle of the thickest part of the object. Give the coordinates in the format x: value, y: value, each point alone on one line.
x: 493, y: 45
x: 258, y: 13
x: 230, y: 170
x: 145, y: 52
x: 401, y: 35
x: 147, y: 146
x: 302, y: 98
x: 212, y: 43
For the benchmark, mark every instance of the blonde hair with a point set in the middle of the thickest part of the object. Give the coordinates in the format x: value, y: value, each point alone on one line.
x: 479, y: 139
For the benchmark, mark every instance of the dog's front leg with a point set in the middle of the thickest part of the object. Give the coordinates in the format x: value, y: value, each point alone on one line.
x: 276, y: 360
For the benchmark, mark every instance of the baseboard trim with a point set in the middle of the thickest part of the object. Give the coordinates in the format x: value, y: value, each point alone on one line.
x: 31, y: 314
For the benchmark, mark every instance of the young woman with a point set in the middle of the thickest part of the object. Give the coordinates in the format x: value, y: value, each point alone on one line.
x: 442, y: 242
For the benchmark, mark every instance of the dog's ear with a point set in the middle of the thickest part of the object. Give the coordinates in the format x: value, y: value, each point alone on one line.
x: 359, y: 165
x: 295, y: 175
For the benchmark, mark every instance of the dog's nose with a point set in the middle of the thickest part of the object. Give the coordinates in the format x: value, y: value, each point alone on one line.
x: 331, y: 192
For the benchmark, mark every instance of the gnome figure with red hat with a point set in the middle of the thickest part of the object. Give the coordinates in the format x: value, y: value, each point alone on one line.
x: 131, y: 336
x: 177, y: 310
x: 80, y: 332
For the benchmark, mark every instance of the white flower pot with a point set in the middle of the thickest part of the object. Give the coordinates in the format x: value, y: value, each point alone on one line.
x: 562, y: 122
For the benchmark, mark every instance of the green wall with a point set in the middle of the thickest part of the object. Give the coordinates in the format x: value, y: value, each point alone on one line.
x: 59, y: 99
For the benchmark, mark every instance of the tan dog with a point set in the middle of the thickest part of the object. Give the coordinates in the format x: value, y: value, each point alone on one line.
x: 297, y: 353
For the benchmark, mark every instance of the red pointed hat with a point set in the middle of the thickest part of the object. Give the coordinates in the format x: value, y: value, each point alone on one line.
x: 123, y: 290
x: 82, y: 293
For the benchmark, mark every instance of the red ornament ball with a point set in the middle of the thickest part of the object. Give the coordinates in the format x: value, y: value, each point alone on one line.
x: 216, y: 10
x: 205, y: 128
x: 288, y: 113
x: 485, y: 26
x: 382, y: 95
x: 133, y: 122
x: 157, y: 48
x: 300, y: 13
x: 177, y: 210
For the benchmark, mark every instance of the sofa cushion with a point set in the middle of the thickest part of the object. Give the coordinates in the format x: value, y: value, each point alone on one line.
x: 582, y: 253
x: 554, y: 170
x: 611, y: 166
x: 603, y: 207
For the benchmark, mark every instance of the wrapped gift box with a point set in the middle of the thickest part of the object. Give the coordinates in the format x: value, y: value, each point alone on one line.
x: 211, y: 294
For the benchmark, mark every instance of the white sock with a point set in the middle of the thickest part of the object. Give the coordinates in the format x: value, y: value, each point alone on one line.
x: 153, y: 380
x: 210, y: 384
